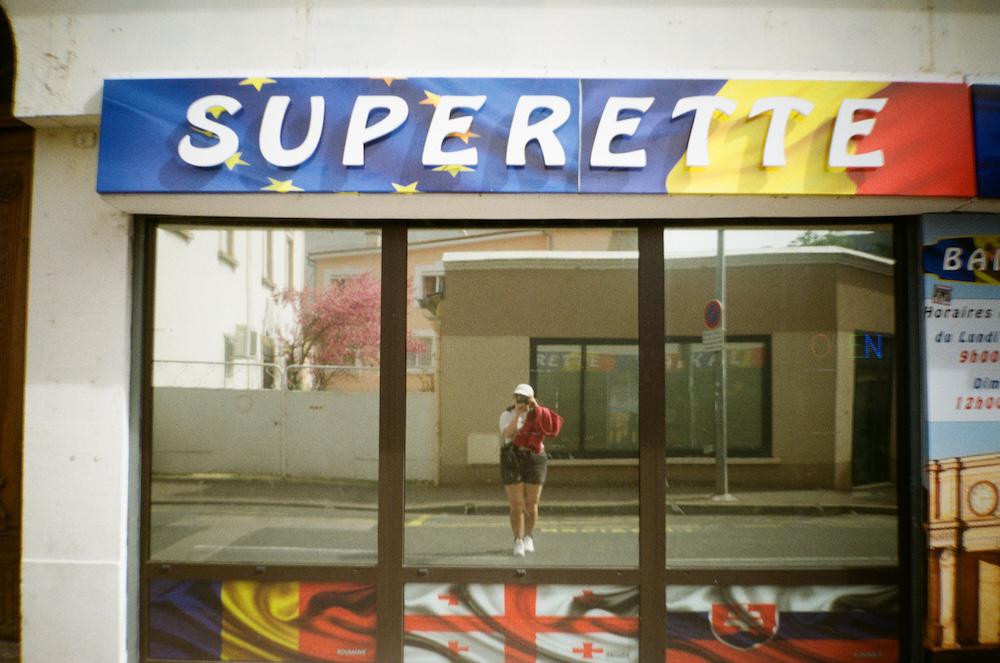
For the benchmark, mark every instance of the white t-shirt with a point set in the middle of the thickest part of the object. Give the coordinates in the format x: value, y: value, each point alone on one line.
x: 506, y: 417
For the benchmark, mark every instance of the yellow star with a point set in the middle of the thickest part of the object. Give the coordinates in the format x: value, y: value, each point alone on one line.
x: 281, y: 186
x: 431, y: 100
x: 409, y: 188
x: 464, y: 137
x: 389, y: 80
x: 454, y: 169
x: 258, y: 82
x: 216, y: 111
x: 235, y: 160
x: 203, y: 132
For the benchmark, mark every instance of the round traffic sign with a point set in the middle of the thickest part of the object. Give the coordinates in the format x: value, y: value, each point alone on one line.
x: 713, y: 314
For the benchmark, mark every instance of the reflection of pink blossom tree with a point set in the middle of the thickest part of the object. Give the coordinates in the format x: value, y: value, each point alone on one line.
x: 336, y: 326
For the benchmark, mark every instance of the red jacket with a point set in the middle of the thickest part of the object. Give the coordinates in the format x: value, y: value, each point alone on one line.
x: 538, y: 424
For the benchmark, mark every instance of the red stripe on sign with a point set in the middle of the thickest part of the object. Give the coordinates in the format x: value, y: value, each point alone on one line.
x: 925, y: 134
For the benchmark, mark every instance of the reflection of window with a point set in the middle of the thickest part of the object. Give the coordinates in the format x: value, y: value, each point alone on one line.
x: 229, y: 354
x: 422, y: 356
x: 871, y: 447
x: 691, y: 398
x: 268, y: 278
x: 595, y: 387
x: 433, y: 284
x: 227, y: 247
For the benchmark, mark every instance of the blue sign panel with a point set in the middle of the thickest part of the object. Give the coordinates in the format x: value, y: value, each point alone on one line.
x: 986, y: 118
x: 143, y: 126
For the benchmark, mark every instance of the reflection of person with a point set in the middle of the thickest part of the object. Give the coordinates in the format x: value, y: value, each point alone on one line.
x: 524, y: 427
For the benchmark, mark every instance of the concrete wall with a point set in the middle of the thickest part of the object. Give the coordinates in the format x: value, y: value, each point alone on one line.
x: 66, y: 48
x: 77, y: 452
x: 313, y: 435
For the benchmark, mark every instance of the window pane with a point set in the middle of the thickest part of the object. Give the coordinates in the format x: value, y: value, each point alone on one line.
x: 265, y: 400
x: 806, y: 395
x: 554, y: 310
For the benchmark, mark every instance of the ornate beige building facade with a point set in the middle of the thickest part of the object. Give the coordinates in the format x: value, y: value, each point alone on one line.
x: 964, y: 560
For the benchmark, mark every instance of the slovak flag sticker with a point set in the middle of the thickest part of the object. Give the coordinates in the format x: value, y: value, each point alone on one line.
x: 744, y: 626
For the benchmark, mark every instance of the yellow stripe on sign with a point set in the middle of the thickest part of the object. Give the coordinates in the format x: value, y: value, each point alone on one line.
x: 259, y: 621
x: 736, y: 143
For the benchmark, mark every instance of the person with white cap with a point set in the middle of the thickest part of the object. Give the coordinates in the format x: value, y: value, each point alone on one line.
x: 523, y: 463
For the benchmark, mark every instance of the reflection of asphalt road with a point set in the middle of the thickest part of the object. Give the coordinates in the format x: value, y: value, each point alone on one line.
x: 324, y: 535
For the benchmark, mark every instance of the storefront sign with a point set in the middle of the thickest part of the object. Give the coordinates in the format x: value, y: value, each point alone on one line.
x: 962, y: 336
x: 395, y: 135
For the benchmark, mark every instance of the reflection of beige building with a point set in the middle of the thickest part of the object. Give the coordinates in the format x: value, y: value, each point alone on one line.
x: 808, y: 305
x: 425, y: 271
x: 964, y: 561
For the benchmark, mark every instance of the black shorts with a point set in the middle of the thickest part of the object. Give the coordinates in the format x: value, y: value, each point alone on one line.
x: 520, y: 465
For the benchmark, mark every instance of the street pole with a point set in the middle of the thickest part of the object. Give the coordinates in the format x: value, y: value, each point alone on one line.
x: 721, y: 443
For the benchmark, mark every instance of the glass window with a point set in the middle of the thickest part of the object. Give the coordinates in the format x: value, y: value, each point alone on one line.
x: 265, y: 403
x: 536, y: 372
x: 780, y: 430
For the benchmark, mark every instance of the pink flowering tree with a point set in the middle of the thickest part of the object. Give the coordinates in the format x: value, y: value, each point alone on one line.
x: 336, y: 326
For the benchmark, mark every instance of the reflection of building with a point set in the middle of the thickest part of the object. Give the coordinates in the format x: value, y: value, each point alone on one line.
x: 808, y: 328
x: 964, y: 560
x: 217, y: 318
x: 341, y: 254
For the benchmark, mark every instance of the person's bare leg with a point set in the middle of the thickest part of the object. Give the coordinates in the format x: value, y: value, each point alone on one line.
x: 516, y: 498
x: 532, y: 495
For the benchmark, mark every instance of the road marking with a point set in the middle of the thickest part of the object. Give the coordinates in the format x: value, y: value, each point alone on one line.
x: 419, y: 520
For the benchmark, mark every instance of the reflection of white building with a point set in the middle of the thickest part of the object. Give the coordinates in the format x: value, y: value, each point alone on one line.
x: 217, y: 319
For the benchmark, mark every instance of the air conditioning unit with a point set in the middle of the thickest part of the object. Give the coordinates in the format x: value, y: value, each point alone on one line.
x: 245, y: 342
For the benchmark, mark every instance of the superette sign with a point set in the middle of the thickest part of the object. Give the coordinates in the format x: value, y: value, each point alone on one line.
x: 264, y: 134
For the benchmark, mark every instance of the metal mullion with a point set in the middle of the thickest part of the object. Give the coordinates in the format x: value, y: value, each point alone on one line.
x: 392, y: 445
x: 145, y: 381
x: 259, y: 572
x: 652, y: 451
x: 723, y: 577
x: 910, y: 442
x: 522, y: 575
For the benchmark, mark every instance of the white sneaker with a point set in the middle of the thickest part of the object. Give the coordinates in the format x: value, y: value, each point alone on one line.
x: 529, y: 544
x: 518, y: 548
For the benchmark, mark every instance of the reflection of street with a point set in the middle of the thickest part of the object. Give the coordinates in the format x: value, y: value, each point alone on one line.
x: 329, y: 535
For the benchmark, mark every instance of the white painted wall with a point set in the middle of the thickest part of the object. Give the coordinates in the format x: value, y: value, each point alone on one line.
x: 66, y: 48
x: 78, y: 536
x: 76, y: 430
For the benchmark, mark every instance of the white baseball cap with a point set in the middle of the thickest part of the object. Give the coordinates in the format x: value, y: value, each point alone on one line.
x: 524, y: 390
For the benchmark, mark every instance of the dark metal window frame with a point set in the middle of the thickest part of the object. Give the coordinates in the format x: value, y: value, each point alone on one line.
x: 652, y: 576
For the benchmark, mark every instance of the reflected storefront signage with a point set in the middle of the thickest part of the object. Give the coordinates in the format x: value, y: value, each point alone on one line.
x: 531, y: 135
